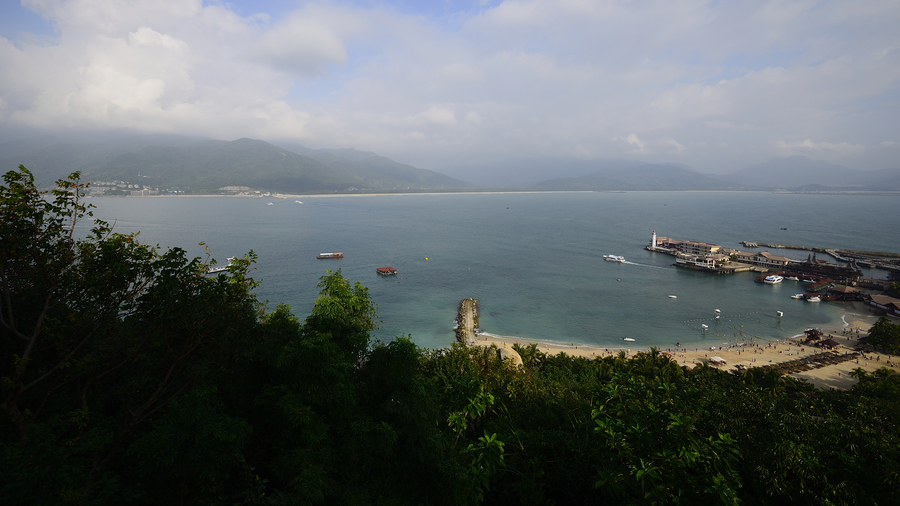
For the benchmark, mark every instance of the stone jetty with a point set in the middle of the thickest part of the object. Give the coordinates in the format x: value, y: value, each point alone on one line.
x: 467, y: 320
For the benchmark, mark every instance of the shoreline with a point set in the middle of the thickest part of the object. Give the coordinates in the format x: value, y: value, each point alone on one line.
x: 752, y: 353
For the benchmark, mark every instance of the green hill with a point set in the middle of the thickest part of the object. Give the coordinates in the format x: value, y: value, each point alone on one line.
x: 208, y: 165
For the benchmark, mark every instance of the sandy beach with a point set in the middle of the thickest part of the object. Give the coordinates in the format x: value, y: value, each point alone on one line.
x: 758, y: 353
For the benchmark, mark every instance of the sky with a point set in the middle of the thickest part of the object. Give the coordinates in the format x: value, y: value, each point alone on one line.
x: 715, y: 85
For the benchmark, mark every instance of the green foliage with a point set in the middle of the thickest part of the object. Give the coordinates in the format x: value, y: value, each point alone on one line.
x: 894, y: 289
x: 100, y: 335
x: 885, y: 335
x: 130, y: 376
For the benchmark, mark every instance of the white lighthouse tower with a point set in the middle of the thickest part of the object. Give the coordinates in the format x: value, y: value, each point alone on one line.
x: 653, y: 240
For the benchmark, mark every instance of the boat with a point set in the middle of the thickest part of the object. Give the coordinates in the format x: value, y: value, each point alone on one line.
x: 718, y: 311
x: 704, y: 326
x: 329, y: 255
x: 814, y: 298
x: 779, y: 314
x: 798, y: 296
x: 221, y: 268
x: 270, y: 204
x: 614, y: 258
x: 792, y: 278
x: 630, y: 340
x: 773, y: 279
x: 673, y: 296
x: 297, y: 201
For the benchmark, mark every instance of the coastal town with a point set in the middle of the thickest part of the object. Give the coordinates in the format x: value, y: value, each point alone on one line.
x: 826, y: 281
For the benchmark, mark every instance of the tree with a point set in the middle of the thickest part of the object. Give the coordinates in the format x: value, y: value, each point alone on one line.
x: 885, y: 335
x: 99, y: 334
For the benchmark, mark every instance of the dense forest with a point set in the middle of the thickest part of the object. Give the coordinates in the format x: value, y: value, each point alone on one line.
x: 131, y: 376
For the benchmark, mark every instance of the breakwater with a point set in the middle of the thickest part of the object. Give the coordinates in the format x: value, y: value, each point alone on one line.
x: 830, y: 251
x: 466, y: 320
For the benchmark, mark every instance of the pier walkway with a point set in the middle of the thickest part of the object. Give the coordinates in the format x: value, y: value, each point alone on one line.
x: 466, y: 320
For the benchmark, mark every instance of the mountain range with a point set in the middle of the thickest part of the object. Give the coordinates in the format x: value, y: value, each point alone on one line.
x: 201, y: 165
x: 207, y: 165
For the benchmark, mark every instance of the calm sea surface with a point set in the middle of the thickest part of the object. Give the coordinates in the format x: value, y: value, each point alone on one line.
x: 533, y: 261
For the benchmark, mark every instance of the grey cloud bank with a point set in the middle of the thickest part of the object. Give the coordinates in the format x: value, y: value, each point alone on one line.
x: 716, y: 86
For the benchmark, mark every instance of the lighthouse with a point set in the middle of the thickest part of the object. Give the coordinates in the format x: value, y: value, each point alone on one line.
x: 653, y: 240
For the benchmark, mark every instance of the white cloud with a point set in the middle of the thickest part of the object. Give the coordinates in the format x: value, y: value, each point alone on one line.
x: 808, y: 146
x: 302, y: 45
x: 633, y: 140
x: 735, y: 82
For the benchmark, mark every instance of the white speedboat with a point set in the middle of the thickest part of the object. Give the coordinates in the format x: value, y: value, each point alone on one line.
x: 773, y: 279
x: 798, y: 296
x: 613, y: 258
x: 221, y: 268
x: 792, y: 278
x: 704, y: 326
x: 630, y: 340
x: 270, y: 204
x: 673, y: 296
x: 814, y: 298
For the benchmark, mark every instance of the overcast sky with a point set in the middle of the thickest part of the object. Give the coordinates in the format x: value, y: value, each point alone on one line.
x: 717, y: 85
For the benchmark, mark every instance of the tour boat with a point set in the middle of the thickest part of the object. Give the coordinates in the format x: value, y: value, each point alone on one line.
x: 613, y: 258
x: 330, y: 255
x: 221, y: 268
x: 773, y: 279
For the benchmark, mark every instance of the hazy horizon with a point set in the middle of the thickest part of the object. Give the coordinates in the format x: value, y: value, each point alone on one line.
x: 717, y: 86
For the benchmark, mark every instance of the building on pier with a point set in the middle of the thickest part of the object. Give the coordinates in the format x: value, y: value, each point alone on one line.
x: 886, y: 303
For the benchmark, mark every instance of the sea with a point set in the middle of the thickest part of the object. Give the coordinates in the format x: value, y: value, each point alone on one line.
x: 534, y: 261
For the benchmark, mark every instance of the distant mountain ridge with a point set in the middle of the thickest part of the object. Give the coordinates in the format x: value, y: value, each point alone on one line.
x: 642, y: 178
x: 207, y: 165
x: 798, y: 172
x: 197, y: 164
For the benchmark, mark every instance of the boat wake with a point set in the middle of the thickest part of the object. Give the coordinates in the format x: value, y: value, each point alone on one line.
x: 626, y: 262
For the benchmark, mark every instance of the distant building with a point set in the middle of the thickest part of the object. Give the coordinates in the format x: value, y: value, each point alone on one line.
x: 889, y: 304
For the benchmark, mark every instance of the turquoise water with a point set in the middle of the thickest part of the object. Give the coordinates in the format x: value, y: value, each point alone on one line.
x: 533, y: 261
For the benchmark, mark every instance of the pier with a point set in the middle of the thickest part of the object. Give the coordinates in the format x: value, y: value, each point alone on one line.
x: 841, y: 254
x: 466, y: 320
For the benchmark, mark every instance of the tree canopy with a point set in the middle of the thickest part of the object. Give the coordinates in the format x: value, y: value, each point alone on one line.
x: 130, y: 375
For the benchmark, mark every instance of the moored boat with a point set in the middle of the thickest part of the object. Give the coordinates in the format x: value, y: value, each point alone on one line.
x: 773, y: 279
x: 798, y: 296
x: 814, y: 298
